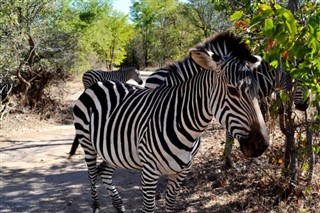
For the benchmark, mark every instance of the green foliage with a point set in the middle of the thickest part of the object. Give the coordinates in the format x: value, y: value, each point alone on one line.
x: 237, y: 15
x: 202, y: 14
x: 290, y: 38
x: 290, y: 43
x: 165, y: 30
x: 40, y: 20
x: 103, y: 34
x: 162, y: 33
x: 42, y: 40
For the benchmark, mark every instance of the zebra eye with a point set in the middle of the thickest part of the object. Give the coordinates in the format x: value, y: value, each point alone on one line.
x: 216, y: 58
x: 233, y: 91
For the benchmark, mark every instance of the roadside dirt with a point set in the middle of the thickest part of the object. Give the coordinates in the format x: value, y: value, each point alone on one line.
x: 37, y: 176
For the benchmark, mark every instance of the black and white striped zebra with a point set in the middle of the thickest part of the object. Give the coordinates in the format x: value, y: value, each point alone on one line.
x: 157, y: 130
x: 221, y: 50
x: 123, y: 75
x: 266, y: 81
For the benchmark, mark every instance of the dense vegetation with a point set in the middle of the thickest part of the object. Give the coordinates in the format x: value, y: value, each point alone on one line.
x: 43, y: 41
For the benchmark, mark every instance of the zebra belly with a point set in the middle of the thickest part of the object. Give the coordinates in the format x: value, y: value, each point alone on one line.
x: 118, y: 152
x: 116, y: 157
x: 161, y: 155
x: 114, y: 143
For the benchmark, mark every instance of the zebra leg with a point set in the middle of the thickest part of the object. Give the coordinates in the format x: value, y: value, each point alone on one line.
x: 173, y: 186
x: 227, y: 150
x: 149, y: 180
x: 106, y: 172
x: 91, y: 160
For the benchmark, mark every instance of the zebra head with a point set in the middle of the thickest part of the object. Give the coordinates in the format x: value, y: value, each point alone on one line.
x: 131, y: 73
x: 242, y: 117
x: 137, y: 77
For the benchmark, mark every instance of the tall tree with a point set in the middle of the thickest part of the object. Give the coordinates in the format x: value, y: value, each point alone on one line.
x: 163, y: 33
x: 104, y: 34
x: 205, y: 17
x: 32, y: 48
x: 143, y: 14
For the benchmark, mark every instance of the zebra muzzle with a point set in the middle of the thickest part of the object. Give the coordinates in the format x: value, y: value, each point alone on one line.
x: 254, y: 144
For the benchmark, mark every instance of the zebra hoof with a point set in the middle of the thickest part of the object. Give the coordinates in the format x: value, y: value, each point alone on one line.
x: 95, y: 207
x: 96, y: 210
x: 230, y: 164
x: 121, y: 209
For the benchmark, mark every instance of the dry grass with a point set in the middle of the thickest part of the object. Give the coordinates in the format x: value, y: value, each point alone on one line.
x: 257, y: 186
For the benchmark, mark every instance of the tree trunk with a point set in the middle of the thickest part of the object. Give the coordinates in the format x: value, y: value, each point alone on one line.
x: 287, y: 127
x: 310, y: 145
x: 311, y: 156
x: 293, y: 5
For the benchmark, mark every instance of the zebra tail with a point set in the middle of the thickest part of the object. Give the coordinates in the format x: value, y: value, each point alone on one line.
x: 74, y: 147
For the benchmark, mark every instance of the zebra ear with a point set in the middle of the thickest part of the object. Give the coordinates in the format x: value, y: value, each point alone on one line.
x: 203, y: 58
x: 254, y: 61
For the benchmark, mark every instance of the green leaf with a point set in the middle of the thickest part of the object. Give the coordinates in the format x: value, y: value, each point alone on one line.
x: 264, y: 7
x: 256, y: 19
x: 282, y: 39
x: 268, y: 27
x: 289, y: 21
x: 288, y: 16
x: 236, y: 15
x: 277, y: 6
x: 288, y: 26
x: 274, y: 63
x: 267, y: 13
x: 284, y: 97
x: 311, y: 29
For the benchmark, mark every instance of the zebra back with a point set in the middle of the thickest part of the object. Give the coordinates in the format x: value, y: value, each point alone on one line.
x: 123, y: 75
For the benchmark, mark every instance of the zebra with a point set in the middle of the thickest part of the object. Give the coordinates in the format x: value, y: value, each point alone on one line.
x: 233, y: 75
x: 157, y: 130
x: 266, y: 81
x: 123, y: 74
x: 301, y: 103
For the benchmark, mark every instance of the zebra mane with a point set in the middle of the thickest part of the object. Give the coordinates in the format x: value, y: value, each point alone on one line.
x: 182, y: 69
x: 226, y: 44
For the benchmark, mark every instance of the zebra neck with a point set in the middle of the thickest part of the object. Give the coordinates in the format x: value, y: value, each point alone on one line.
x: 193, y: 112
x: 181, y: 71
x: 125, y: 75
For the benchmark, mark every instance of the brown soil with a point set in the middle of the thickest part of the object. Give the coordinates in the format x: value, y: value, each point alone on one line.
x: 37, y: 176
